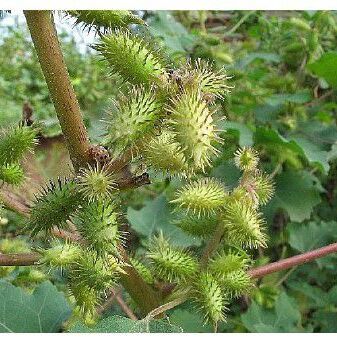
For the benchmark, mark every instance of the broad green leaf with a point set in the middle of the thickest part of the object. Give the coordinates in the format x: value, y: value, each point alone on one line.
x: 298, y: 144
x: 285, y: 317
x: 325, y: 67
x: 155, y: 216
x: 296, y: 193
x: 257, y: 318
x: 251, y: 57
x: 312, y: 152
x: 332, y: 154
x: 287, y: 312
x: 299, y: 97
x: 123, y: 324
x: 174, y: 35
x: 326, y: 320
x: 304, y: 237
x: 43, y: 311
x: 245, y: 134
x: 317, y: 297
x: 190, y: 321
x: 228, y: 173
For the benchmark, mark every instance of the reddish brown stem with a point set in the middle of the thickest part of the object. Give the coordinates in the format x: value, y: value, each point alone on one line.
x: 27, y: 259
x: 293, y: 261
x: 23, y: 259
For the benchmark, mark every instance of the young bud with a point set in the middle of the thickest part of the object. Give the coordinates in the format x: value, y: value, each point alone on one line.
x: 201, y: 226
x: 246, y: 159
x: 132, y: 119
x: 210, y: 82
x: 264, y: 188
x: 194, y: 128
x: 235, y: 283
x: 226, y: 262
x: 244, y: 225
x: 209, y: 297
x: 11, y: 174
x: 14, y: 142
x: 163, y: 153
x: 96, y: 183
x: 94, y: 272
x: 97, y: 223
x: 60, y: 255
x: 53, y: 207
x: 171, y: 264
x: 203, y: 196
x: 86, y: 299
x: 135, y: 60
x: 104, y: 19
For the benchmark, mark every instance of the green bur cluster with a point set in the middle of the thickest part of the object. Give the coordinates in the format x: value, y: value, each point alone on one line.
x: 166, y: 120
x: 14, y: 143
x: 92, y: 262
x: 230, y: 224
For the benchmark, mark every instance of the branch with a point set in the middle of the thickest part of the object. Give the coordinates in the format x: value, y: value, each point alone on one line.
x: 115, y: 295
x: 296, y: 260
x: 48, y: 49
x: 23, y: 259
x: 14, y: 203
x: 212, y: 244
x: 27, y: 259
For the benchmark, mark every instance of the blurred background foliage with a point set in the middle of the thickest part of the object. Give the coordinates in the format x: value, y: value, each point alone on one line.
x: 284, y: 103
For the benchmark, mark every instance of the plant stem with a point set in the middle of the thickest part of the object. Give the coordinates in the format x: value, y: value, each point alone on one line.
x: 239, y: 23
x: 23, y: 259
x: 48, y: 49
x: 212, y: 244
x: 146, y: 298
x: 293, y: 261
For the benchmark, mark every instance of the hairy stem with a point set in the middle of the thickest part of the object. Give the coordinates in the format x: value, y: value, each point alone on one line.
x: 293, y: 261
x: 48, y: 49
x: 146, y: 298
x: 23, y: 259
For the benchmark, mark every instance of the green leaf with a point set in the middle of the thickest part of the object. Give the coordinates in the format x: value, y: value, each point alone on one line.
x: 190, y: 321
x: 305, y: 237
x: 312, y: 152
x: 300, y: 97
x: 325, y: 67
x: 174, y: 35
x: 123, y: 324
x: 285, y: 317
x: 318, y: 298
x: 296, y: 193
x: 43, y: 311
x: 298, y: 144
x: 245, y: 134
x: 251, y: 57
x: 154, y: 217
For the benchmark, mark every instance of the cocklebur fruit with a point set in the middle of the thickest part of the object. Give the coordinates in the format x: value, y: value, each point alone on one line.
x: 201, y: 197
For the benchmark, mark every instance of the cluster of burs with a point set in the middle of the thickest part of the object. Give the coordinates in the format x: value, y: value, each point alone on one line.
x: 167, y: 121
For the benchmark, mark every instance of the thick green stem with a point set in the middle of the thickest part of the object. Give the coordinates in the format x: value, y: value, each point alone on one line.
x: 48, y: 49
